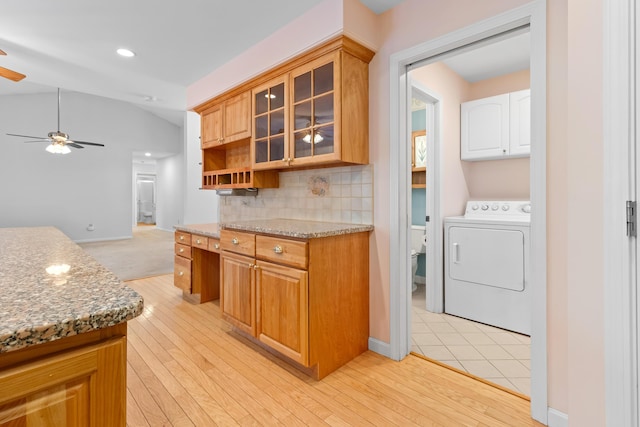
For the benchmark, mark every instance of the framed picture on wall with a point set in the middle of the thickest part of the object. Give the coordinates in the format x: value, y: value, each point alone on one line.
x: 419, y: 150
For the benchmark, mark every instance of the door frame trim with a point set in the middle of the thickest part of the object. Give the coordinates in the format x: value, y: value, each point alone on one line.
x: 620, y: 297
x: 533, y: 13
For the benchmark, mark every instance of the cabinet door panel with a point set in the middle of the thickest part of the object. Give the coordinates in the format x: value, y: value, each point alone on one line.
x: 520, y: 123
x: 237, y: 118
x: 211, y: 133
x: 282, y: 318
x: 270, y: 123
x: 485, y: 128
x: 237, y: 291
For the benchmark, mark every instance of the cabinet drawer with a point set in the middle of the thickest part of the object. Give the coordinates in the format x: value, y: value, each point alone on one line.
x: 214, y: 245
x: 183, y: 250
x: 282, y: 251
x: 238, y: 241
x: 184, y: 238
x: 199, y: 242
x: 182, y: 273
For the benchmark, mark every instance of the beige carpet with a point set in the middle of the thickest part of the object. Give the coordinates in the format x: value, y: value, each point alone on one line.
x: 148, y: 253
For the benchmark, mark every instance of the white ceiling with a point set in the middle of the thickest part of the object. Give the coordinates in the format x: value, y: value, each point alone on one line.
x: 71, y: 44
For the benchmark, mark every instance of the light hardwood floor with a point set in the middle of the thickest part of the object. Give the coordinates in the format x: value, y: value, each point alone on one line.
x: 187, y: 367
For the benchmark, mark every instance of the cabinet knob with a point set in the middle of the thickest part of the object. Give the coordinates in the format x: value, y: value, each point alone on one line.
x: 235, y: 241
x: 181, y: 250
x: 255, y: 267
x: 198, y: 241
x: 181, y: 237
x: 277, y: 249
x: 217, y: 246
x: 181, y: 273
x: 251, y: 265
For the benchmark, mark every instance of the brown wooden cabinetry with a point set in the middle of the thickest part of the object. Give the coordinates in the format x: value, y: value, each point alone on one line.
x: 226, y: 122
x: 197, y: 266
x: 76, y: 381
x: 307, y: 300
x: 311, y: 111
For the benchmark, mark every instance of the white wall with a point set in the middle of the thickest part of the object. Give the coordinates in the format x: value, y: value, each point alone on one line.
x: 170, y: 185
x: 92, y: 185
x: 200, y: 206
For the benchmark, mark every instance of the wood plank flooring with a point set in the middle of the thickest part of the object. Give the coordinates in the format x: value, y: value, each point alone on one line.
x: 186, y: 367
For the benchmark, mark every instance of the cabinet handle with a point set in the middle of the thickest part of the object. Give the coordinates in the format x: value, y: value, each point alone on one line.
x: 277, y: 249
x: 181, y: 273
x: 217, y: 246
x: 255, y: 267
x: 181, y: 250
x: 235, y: 241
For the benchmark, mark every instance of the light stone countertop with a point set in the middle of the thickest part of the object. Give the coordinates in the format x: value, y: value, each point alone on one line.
x: 209, y: 230
x: 37, y: 306
x: 296, y: 228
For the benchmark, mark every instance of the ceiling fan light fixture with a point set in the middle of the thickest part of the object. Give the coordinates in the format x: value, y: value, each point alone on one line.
x: 58, y: 148
x: 125, y: 52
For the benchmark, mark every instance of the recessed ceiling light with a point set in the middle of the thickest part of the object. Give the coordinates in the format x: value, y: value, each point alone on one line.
x: 125, y: 52
x: 147, y: 154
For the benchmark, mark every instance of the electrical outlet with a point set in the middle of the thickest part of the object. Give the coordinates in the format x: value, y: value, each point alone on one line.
x: 90, y: 227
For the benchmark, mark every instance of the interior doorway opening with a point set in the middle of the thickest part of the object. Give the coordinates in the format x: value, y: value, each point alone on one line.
x: 145, y: 200
x: 532, y: 15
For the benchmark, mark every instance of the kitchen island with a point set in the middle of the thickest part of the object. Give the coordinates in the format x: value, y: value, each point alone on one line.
x: 62, y: 332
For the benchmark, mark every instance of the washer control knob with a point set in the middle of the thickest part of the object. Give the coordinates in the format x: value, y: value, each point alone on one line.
x: 474, y: 207
x: 485, y: 206
x: 526, y: 208
x: 505, y: 207
x: 494, y: 207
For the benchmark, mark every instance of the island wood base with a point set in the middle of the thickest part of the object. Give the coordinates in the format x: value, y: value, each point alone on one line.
x: 74, y: 381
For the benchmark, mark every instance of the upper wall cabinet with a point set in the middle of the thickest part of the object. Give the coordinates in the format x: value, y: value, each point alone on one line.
x: 310, y: 111
x: 322, y: 119
x: 497, y: 127
x: 227, y: 121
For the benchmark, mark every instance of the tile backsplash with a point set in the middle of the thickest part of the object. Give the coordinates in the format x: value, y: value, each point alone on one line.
x: 341, y: 194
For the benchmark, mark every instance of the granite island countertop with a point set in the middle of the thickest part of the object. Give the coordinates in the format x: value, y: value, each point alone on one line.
x: 39, y: 304
x: 296, y: 228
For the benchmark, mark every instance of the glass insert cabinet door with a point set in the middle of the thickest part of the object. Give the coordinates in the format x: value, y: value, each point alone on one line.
x: 315, y: 89
x: 270, y: 124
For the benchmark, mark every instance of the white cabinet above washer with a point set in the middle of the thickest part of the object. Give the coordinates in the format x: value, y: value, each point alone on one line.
x: 497, y: 127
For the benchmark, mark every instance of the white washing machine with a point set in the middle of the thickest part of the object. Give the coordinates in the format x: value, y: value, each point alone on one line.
x: 487, y: 264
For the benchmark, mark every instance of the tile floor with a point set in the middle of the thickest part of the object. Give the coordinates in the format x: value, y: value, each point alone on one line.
x: 499, y: 356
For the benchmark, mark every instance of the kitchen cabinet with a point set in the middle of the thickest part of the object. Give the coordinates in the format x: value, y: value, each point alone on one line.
x: 196, y: 267
x: 227, y: 121
x: 307, y: 299
x: 324, y: 116
x: 75, y: 381
x: 497, y: 127
x: 310, y: 111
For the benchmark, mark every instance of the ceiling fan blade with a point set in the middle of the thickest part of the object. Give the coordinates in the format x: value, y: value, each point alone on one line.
x: 2, y: 52
x: 40, y: 140
x: 87, y: 143
x: 11, y: 75
x: 74, y: 145
x: 27, y: 136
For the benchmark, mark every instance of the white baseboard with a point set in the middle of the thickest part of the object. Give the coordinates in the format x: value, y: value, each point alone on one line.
x: 556, y: 418
x: 103, y: 239
x: 380, y: 347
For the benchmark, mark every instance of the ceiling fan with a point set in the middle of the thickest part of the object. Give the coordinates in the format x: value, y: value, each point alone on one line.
x: 10, y: 74
x: 59, y: 142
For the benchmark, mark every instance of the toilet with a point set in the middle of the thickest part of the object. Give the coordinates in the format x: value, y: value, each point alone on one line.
x: 147, y: 217
x: 417, y: 247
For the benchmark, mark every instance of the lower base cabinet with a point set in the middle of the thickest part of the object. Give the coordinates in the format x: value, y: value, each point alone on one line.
x: 306, y: 300
x: 196, y: 268
x: 84, y: 385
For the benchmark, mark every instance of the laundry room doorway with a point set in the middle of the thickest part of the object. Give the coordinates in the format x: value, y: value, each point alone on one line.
x: 531, y: 17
